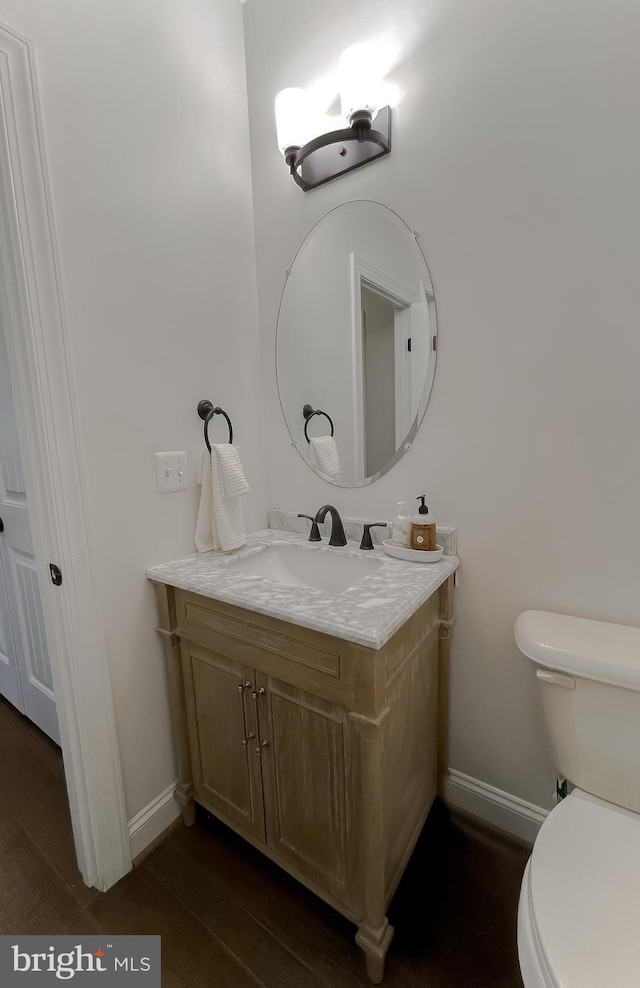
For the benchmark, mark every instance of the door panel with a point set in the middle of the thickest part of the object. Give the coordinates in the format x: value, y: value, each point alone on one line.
x: 306, y: 772
x: 9, y: 678
x: 10, y: 458
x: 34, y: 666
x: 25, y: 669
x: 221, y: 714
x: 32, y: 621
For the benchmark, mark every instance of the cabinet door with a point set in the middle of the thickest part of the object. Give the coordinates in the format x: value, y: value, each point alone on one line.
x: 223, y: 732
x: 306, y: 769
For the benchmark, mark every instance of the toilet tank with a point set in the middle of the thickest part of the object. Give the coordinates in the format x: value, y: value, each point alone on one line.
x: 589, y: 678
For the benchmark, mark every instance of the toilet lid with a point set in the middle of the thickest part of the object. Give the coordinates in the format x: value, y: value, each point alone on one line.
x: 585, y: 894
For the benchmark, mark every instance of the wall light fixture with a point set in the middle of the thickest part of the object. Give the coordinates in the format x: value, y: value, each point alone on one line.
x: 313, y: 160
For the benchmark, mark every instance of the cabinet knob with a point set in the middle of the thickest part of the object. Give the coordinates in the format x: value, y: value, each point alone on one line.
x: 250, y: 736
x: 262, y: 691
x: 265, y: 743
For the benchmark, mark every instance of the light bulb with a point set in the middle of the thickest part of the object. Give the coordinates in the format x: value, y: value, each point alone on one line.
x: 359, y: 78
x: 292, y: 118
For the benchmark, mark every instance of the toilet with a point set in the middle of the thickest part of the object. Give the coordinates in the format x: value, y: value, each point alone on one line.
x: 579, y: 910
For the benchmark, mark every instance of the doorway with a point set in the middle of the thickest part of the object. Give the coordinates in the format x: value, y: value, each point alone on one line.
x: 37, y: 345
x: 389, y: 334
x: 380, y: 387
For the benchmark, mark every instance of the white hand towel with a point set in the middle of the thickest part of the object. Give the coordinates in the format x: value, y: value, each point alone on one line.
x: 325, y: 452
x: 232, y: 479
x: 204, y: 537
x: 220, y: 523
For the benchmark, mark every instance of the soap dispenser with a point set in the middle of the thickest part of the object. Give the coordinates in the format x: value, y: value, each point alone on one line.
x: 423, y: 528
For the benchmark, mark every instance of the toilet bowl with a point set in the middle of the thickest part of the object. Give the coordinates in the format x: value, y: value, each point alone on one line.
x: 579, y: 910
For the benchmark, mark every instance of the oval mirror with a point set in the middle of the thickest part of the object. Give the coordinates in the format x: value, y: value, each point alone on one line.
x: 356, y: 343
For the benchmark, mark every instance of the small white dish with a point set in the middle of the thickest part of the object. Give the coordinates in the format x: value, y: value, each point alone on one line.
x: 415, y: 555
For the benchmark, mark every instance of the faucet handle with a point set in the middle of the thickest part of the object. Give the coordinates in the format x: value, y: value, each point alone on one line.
x: 366, y: 535
x: 314, y: 535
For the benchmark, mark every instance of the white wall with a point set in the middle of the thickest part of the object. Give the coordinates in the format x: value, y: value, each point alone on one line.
x: 516, y: 155
x: 144, y: 109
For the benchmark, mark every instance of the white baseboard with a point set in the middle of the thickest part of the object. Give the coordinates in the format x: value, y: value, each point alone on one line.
x: 153, y: 819
x: 510, y: 813
x: 461, y: 792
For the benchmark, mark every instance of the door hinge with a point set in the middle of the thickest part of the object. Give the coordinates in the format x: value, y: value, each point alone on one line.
x: 56, y: 574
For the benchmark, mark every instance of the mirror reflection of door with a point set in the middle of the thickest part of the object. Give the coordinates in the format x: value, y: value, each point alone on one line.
x: 388, y: 323
x: 25, y: 671
x: 379, y: 384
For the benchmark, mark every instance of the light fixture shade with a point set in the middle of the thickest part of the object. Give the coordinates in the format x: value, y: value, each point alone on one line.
x: 359, y: 80
x: 318, y: 147
x: 292, y: 118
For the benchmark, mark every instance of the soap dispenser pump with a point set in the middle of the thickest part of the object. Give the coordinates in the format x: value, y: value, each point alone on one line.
x: 423, y: 528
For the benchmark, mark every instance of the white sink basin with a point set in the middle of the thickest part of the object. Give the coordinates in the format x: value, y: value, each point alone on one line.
x: 331, y: 571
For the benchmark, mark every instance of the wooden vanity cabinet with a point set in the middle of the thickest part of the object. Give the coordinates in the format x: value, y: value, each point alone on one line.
x: 224, y: 738
x: 293, y: 797
x: 320, y: 752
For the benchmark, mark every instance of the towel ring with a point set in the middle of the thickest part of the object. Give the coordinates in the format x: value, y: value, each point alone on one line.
x: 308, y: 413
x: 206, y: 411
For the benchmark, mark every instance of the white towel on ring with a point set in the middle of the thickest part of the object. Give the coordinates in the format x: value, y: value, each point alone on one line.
x: 220, y: 524
x: 325, y: 452
x: 233, y: 482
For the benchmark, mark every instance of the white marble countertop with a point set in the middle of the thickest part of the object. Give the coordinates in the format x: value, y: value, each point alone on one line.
x: 368, y: 613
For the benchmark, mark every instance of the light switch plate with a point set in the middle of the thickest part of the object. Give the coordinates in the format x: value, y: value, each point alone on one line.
x: 171, y: 472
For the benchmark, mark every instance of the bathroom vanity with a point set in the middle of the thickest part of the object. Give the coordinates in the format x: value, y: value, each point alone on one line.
x: 309, y: 722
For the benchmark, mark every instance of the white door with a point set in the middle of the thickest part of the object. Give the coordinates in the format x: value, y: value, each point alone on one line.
x: 25, y: 672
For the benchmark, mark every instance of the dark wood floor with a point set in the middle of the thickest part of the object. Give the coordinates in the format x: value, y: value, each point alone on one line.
x: 230, y: 919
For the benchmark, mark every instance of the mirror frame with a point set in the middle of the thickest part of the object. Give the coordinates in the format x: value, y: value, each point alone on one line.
x: 425, y: 397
